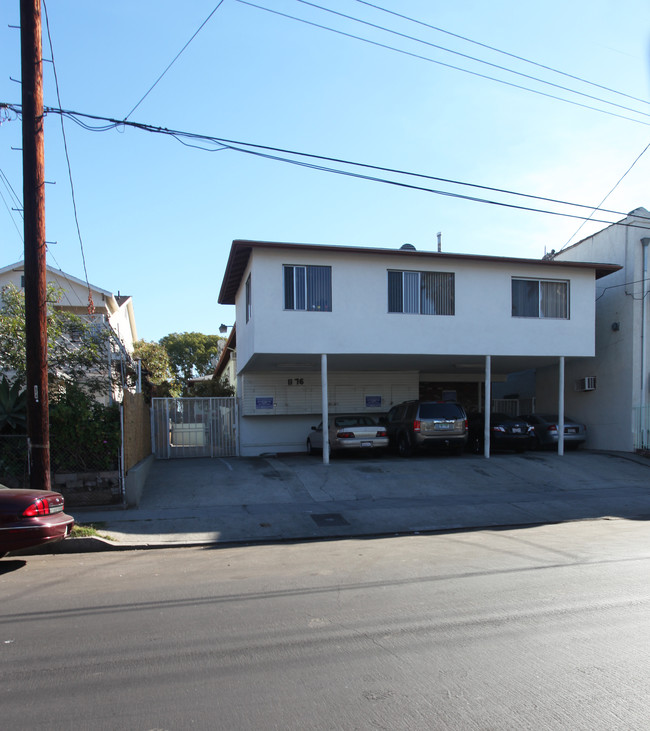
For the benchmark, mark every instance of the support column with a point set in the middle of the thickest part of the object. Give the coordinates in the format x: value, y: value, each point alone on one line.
x: 326, y: 431
x: 560, y: 410
x: 487, y: 407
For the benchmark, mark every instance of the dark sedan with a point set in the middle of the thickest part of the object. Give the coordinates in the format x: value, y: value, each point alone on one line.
x: 31, y: 518
x: 546, y: 434
x: 506, y: 432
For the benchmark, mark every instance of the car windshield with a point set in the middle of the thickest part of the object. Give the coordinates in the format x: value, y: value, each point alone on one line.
x: 341, y: 421
x: 440, y: 411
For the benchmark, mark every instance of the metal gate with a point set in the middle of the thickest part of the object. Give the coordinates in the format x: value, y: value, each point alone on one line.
x: 194, y: 427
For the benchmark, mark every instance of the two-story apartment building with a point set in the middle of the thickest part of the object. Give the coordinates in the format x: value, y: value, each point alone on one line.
x: 332, y: 329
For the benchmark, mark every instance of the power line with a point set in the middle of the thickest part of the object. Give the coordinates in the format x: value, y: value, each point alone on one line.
x: 447, y: 65
x: 91, y: 305
x: 618, y: 182
x: 504, y: 53
x: 265, y: 150
x: 151, y: 88
x: 471, y: 58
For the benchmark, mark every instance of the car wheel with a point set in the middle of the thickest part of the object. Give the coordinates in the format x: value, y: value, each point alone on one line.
x: 404, y: 448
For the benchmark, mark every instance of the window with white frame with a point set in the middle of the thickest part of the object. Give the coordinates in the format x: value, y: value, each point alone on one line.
x: 248, y: 298
x: 308, y: 288
x: 424, y: 293
x: 548, y: 298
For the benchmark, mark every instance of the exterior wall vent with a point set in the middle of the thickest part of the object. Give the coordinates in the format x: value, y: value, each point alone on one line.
x: 586, y: 384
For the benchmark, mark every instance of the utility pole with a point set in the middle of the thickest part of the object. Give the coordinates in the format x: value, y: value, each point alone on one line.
x: 38, y: 427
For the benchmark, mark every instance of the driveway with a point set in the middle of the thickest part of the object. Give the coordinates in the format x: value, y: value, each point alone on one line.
x: 296, y: 497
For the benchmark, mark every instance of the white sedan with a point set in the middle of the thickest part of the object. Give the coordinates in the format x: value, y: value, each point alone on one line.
x: 349, y: 431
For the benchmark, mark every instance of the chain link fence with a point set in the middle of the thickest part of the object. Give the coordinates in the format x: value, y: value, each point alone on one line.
x: 14, y: 469
x: 84, y: 477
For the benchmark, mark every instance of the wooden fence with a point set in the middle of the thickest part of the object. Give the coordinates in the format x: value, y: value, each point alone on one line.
x: 137, y: 429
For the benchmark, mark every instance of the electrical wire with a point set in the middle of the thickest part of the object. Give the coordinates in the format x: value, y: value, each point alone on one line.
x: 618, y: 182
x: 471, y: 58
x: 447, y: 65
x: 8, y: 207
x: 176, y: 57
x: 91, y: 304
x: 190, y: 138
x: 504, y: 53
x: 624, y: 284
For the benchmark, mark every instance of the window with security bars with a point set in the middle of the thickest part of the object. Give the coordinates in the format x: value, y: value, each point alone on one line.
x: 423, y: 293
x: 548, y: 298
x: 308, y: 288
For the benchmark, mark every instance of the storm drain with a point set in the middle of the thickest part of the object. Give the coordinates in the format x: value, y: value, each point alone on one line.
x: 325, y: 519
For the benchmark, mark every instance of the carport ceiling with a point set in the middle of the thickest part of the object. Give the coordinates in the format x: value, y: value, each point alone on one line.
x: 463, y: 365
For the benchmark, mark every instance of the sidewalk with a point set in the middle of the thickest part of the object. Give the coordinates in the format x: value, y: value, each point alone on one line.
x: 296, y: 497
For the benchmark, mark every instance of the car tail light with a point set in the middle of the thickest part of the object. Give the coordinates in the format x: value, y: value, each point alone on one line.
x: 345, y: 435
x: 416, y: 425
x: 40, y: 506
x: 44, y: 506
x: 381, y: 433
x: 552, y: 427
x: 498, y: 428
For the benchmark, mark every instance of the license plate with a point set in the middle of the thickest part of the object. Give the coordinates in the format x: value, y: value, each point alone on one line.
x: 573, y: 430
x: 443, y: 426
x: 516, y: 430
x: 366, y: 444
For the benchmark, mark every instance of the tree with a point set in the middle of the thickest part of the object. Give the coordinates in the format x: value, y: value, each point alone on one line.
x: 157, y: 369
x: 77, y: 349
x: 211, y: 387
x: 191, y: 354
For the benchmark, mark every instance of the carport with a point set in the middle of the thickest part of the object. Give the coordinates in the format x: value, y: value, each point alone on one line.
x: 478, y: 372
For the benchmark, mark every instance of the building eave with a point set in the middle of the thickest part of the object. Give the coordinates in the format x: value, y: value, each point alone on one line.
x: 241, y: 250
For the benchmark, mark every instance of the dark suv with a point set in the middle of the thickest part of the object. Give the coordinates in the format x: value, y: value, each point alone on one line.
x: 423, y: 424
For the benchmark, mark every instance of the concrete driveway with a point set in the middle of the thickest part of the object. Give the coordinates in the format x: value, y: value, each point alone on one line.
x: 296, y: 497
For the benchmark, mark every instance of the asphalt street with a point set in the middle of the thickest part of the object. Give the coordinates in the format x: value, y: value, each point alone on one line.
x: 543, y: 627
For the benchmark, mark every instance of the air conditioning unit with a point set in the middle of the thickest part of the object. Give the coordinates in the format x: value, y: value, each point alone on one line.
x: 586, y: 384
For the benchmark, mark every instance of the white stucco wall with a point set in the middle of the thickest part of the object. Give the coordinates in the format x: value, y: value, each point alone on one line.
x: 359, y: 321
x: 607, y: 411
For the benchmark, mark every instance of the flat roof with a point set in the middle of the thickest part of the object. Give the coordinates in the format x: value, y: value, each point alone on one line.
x: 241, y: 249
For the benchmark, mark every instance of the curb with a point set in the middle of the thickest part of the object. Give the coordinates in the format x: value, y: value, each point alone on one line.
x: 94, y: 544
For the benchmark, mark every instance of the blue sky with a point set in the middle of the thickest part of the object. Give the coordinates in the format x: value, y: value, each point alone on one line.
x: 157, y: 218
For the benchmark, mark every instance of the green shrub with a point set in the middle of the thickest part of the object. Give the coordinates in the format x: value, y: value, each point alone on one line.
x: 84, y: 434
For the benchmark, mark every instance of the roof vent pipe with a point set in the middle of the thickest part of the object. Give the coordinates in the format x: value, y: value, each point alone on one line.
x: 439, y: 241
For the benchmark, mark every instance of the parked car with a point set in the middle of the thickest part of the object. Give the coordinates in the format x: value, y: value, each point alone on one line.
x: 546, y: 432
x: 349, y: 431
x: 30, y: 518
x: 506, y: 432
x: 414, y: 425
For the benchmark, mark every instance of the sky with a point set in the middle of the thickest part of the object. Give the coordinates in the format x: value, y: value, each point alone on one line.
x: 157, y: 216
